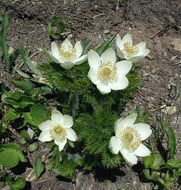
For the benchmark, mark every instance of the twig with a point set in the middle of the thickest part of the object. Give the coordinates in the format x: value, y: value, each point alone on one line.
x: 165, y: 29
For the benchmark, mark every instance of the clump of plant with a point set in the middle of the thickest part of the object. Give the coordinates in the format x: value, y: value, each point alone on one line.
x: 73, y: 104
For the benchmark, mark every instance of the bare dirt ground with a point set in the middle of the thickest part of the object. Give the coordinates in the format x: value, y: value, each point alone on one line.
x: 158, y: 23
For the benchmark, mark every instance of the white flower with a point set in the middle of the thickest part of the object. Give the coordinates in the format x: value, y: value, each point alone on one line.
x: 127, y: 50
x: 128, y: 137
x: 67, y: 55
x: 105, y: 73
x: 58, y: 129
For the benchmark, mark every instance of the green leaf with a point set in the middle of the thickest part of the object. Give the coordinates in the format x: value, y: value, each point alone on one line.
x: 21, y: 156
x: 171, y: 143
x: 105, y: 45
x: 12, y: 58
x: 21, y: 73
x: 11, y: 114
x: 18, y: 184
x: 3, y: 41
x: 39, y: 167
x: 11, y: 146
x: 39, y: 113
x: 153, y: 161
x: 32, y: 147
x: 150, y: 175
x: 9, y: 158
x: 26, y: 86
x: 28, y: 119
x: 27, y: 62
x: 174, y: 163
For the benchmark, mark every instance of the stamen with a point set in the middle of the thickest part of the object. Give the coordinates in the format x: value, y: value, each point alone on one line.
x: 107, y: 72
x: 130, y: 50
x: 58, y: 133
x: 67, y: 53
x: 131, y: 138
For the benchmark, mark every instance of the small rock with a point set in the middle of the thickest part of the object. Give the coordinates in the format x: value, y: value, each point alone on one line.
x: 177, y: 44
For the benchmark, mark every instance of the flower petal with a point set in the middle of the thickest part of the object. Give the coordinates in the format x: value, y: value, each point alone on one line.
x: 123, y: 67
x: 129, y: 156
x: 67, y: 121
x: 78, y: 49
x: 124, y: 122
x: 120, y: 84
x: 93, y: 76
x: 143, y: 129
x: 136, y: 59
x: 45, y: 125
x: 94, y: 59
x: 141, y: 45
x: 114, y: 145
x: 104, y: 89
x: 142, y: 151
x: 57, y: 117
x: 119, y: 42
x: 120, y: 53
x: 55, y: 53
x: 61, y: 144
x: 144, y: 52
x: 80, y: 60
x: 127, y: 38
x: 108, y: 56
x: 66, y: 44
x: 45, y: 136
x: 71, y: 135
x: 67, y: 65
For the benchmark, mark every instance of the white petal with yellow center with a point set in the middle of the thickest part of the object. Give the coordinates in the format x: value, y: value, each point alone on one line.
x: 105, y: 73
x: 126, y: 49
x: 58, y: 129
x: 58, y: 133
x: 128, y: 139
x: 124, y: 122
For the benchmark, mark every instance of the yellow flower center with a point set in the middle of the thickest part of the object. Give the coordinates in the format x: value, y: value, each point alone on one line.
x: 130, y: 138
x: 58, y: 133
x: 130, y: 50
x: 67, y: 53
x: 107, y: 72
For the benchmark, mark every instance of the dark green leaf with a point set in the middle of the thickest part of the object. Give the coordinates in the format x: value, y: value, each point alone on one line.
x: 105, y: 45
x: 39, y: 167
x: 27, y: 62
x: 11, y: 114
x: 174, y: 163
x: 56, y: 27
x: 39, y: 113
x: 9, y: 158
x: 18, y: 184
x: 3, y: 41
x: 26, y: 86
x: 150, y: 175
x: 171, y: 143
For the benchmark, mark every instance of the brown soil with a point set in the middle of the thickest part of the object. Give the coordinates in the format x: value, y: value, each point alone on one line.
x: 156, y: 22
